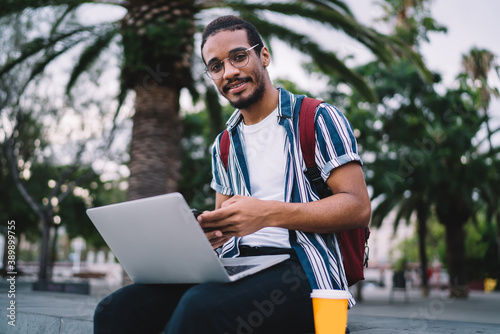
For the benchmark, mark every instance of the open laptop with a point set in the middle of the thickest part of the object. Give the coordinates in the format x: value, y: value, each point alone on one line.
x: 158, y: 240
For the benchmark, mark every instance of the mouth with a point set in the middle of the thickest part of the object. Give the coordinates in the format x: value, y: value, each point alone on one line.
x: 236, y: 86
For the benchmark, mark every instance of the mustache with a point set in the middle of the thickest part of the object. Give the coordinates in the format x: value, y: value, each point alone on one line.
x: 239, y: 80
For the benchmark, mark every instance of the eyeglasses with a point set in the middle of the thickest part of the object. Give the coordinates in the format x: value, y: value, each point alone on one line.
x: 237, y: 58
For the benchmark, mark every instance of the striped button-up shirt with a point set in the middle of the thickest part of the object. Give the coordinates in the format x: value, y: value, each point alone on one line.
x: 319, y: 254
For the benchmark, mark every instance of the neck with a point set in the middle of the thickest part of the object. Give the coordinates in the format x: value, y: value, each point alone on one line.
x: 260, y: 110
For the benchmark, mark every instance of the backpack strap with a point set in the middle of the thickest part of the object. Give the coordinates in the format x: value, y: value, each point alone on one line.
x: 224, y: 148
x: 306, y: 127
x: 308, y: 144
x: 353, y: 243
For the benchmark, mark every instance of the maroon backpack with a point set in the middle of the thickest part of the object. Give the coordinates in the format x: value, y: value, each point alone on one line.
x: 353, y: 243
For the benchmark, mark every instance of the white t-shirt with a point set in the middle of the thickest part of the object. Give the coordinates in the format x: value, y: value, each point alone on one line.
x: 266, y: 159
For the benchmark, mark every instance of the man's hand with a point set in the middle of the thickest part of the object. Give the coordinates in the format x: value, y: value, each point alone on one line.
x: 216, y: 238
x: 238, y: 216
x: 349, y: 207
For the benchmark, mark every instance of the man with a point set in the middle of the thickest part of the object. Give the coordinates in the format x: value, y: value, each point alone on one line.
x: 264, y: 205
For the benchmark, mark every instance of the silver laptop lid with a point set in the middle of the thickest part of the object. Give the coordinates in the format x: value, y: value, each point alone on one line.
x: 158, y: 240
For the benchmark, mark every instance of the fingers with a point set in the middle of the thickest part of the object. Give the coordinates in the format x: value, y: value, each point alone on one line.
x: 213, y: 235
x: 216, y: 238
x: 223, y: 212
x: 226, y: 230
x: 216, y: 218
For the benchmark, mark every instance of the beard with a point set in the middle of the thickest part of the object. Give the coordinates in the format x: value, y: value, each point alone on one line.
x: 254, y: 97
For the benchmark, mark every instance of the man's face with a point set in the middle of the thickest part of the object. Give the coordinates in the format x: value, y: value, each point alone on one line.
x: 242, y: 87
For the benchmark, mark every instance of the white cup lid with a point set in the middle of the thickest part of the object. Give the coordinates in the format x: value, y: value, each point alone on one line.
x: 330, y: 294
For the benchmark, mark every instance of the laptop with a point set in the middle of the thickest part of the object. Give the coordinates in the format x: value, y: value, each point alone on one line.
x: 158, y: 240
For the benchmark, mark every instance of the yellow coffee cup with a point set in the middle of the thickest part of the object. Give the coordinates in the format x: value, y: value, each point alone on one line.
x: 330, y: 311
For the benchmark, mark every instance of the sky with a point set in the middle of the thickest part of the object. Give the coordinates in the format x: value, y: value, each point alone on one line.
x: 470, y: 24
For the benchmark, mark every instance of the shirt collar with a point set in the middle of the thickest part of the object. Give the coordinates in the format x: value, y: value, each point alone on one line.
x: 285, y: 103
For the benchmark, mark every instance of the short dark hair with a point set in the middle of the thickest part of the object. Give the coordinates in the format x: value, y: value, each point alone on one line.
x: 232, y: 23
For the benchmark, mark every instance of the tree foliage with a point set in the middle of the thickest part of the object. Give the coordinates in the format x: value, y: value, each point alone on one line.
x: 426, y: 151
x: 157, y: 52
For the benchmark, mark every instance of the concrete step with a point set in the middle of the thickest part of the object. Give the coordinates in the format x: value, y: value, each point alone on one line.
x: 38, y: 312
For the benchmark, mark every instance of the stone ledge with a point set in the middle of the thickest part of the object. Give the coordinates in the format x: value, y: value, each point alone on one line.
x: 34, y: 323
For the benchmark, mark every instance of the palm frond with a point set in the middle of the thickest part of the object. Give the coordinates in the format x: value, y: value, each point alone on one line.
x: 69, y: 9
x: 330, y: 64
x: 405, y: 210
x: 412, y: 56
x: 385, y: 48
x: 38, y: 44
x: 332, y: 4
x: 333, y: 18
x: 90, y: 55
x: 122, y: 95
x: 40, y: 66
x: 15, y: 6
x: 326, y: 61
x: 382, y: 210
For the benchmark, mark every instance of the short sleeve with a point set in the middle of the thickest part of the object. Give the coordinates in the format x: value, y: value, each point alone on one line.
x: 335, y: 141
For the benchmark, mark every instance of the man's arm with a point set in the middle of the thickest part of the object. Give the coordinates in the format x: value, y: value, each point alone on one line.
x: 219, y: 199
x: 348, y: 208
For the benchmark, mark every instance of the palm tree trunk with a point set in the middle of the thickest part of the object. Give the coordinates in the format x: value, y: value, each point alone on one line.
x: 215, y: 119
x: 155, y: 149
x: 455, y: 254
x: 5, y: 259
x: 43, y: 273
x: 422, y: 214
x: 498, y: 232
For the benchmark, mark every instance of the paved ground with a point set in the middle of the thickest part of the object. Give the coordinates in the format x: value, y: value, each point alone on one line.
x: 480, y: 313
x: 64, y: 313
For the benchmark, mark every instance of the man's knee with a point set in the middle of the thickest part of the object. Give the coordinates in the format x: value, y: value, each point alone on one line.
x: 103, y: 307
x: 113, y: 307
x: 197, y: 312
x: 195, y: 301
x: 103, y: 315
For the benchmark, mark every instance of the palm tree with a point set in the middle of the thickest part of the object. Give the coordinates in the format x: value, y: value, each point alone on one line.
x: 426, y: 159
x: 412, y: 22
x: 157, y: 39
x: 477, y: 65
x: 404, y: 206
x: 157, y: 44
x: 403, y: 155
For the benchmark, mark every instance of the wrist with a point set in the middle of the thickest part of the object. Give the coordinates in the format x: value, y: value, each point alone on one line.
x: 280, y: 214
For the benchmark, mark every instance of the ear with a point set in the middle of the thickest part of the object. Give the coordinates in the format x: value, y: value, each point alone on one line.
x: 265, y: 56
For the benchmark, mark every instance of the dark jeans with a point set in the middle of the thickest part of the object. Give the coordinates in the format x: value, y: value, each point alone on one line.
x: 276, y: 300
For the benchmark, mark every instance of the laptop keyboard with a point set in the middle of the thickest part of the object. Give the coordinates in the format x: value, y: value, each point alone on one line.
x: 233, y: 270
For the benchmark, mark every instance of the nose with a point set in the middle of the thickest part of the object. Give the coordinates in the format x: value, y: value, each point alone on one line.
x: 230, y: 71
